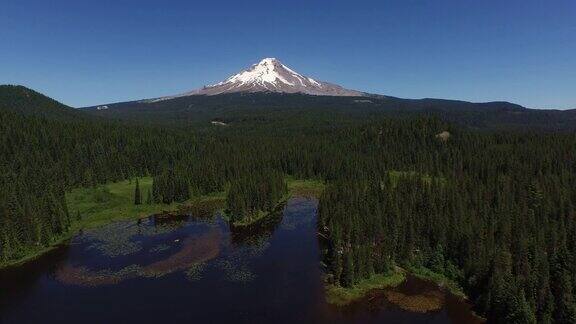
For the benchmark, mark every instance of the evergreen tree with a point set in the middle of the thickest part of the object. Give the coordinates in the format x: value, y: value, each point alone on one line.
x: 137, y: 194
x: 149, y: 199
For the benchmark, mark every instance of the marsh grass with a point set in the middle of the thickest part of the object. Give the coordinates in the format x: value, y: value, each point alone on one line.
x: 396, y: 175
x: 341, y: 296
x: 420, y: 303
x: 159, y: 248
x: 194, y: 273
x: 440, y: 279
x: 191, y: 257
x: 305, y: 188
x: 115, y: 201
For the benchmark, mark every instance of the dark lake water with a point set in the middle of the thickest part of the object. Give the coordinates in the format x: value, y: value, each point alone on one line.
x: 186, y: 269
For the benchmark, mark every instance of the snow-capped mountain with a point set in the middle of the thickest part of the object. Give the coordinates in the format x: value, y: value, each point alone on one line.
x: 270, y: 75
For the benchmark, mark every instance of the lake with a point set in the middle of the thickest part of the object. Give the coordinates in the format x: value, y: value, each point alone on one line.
x: 188, y: 268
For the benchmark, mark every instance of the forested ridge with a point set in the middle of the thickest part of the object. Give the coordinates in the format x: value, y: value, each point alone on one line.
x: 494, y: 212
x: 282, y: 108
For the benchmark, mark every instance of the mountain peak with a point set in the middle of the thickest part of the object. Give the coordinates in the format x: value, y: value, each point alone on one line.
x: 270, y: 75
x: 269, y: 60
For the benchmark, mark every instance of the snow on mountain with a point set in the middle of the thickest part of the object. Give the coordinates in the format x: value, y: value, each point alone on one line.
x: 270, y: 75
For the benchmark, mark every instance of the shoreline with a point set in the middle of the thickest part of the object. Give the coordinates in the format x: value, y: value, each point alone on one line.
x: 112, y: 202
x: 75, y: 229
x: 439, y: 279
x: 343, y: 296
x: 261, y: 215
x: 95, y: 214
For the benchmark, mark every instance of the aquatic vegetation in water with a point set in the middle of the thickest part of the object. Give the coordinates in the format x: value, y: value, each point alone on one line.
x: 194, y: 273
x: 81, y: 276
x: 114, y: 240
x: 235, y: 271
x: 256, y: 247
x: 242, y: 274
x: 236, y: 263
x: 159, y: 248
x: 422, y: 303
x: 195, y: 250
x: 117, y: 239
x: 341, y: 296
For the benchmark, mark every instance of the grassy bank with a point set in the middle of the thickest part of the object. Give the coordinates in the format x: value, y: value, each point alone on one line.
x: 440, y: 279
x: 307, y: 188
x: 115, y: 201
x: 396, y: 175
x: 341, y: 296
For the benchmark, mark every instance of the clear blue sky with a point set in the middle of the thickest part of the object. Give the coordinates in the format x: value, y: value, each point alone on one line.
x: 93, y: 52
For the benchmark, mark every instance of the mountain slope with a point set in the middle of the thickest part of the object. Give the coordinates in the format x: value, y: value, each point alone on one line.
x: 25, y: 101
x: 270, y: 75
x: 291, y: 109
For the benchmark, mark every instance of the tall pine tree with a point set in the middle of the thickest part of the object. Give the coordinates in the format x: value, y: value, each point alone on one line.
x: 137, y: 194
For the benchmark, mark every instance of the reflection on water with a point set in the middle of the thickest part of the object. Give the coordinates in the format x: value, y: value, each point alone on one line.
x: 258, y: 233
x: 195, y: 268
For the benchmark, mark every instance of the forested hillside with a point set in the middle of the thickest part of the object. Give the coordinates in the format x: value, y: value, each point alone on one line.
x: 29, y: 102
x: 494, y: 212
x: 263, y: 108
